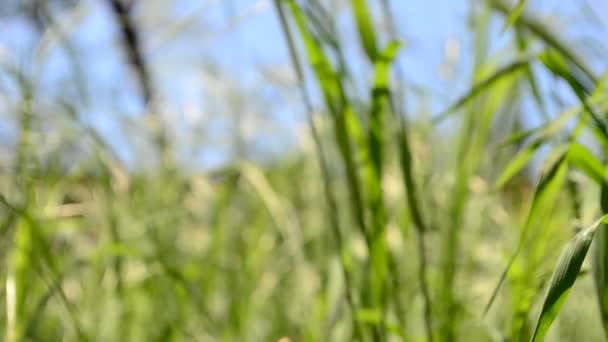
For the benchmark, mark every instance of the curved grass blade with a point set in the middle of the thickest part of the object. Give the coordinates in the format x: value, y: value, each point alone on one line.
x: 582, y: 158
x: 480, y: 87
x: 556, y: 63
x: 565, y: 274
x: 544, y: 131
x: 595, y: 100
x: 559, y: 66
x: 546, y: 35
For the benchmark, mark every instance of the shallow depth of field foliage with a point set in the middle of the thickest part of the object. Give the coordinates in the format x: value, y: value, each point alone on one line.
x: 159, y: 183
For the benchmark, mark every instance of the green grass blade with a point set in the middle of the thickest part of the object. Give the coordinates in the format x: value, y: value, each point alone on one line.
x: 518, y: 162
x: 546, y: 35
x: 553, y: 127
x: 365, y: 28
x: 600, y: 264
x: 318, y: 60
x: 581, y: 157
x: 480, y: 87
x: 559, y: 66
x: 523, y: 45
x: 565, y: 274
x: 16, y: 282
x: 515, y: 13
x: 542, y: 203
x: 348, y: 130
x: 555, y: 62
x: 517, y: 137
x: 333, y: 213
x: 374, y: 169
x: 411, y: 192
x: 380, y: 97
x: 346, y: 124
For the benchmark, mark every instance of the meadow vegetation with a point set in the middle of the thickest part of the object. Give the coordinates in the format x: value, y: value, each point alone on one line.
x: 387, y: 221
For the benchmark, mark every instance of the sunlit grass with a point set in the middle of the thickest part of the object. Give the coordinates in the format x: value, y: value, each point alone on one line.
x: 390, y: 226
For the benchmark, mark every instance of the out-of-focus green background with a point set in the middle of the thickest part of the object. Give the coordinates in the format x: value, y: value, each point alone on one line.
x: 321, y: 170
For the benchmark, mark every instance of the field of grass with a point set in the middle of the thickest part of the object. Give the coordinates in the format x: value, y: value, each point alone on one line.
x: 387, y: 222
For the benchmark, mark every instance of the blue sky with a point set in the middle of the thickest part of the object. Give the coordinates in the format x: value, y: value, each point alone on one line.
x: 200, y: 51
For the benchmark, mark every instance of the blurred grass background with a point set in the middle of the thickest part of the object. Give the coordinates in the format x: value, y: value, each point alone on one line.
x: 155, y: 191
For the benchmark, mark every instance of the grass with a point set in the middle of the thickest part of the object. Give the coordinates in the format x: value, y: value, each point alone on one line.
x: 390, y: 223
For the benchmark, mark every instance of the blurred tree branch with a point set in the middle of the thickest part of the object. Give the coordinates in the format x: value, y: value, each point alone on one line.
x: 131, y: 40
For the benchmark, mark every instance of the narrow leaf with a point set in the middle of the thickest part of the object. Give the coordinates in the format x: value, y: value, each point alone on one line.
x: 539, y: 29
x: 480, y: 87
x: 514, y: 15
x: 600, y: 264
x: 365, y: 27
x: 565, y: 274
x: 517, y: 163
x: 556, y: 63
x: 582, y: 158
x: 542, y: 203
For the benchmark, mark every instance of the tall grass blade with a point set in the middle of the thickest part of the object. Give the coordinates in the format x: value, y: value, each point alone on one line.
x: 407, y: 176
x: 600, y: 264
x: 347, y: 129
x: 374, y: 170
x: 21, y: 260
x: 542, y: 203
x: 345, y: 121
x: 333, y: 213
